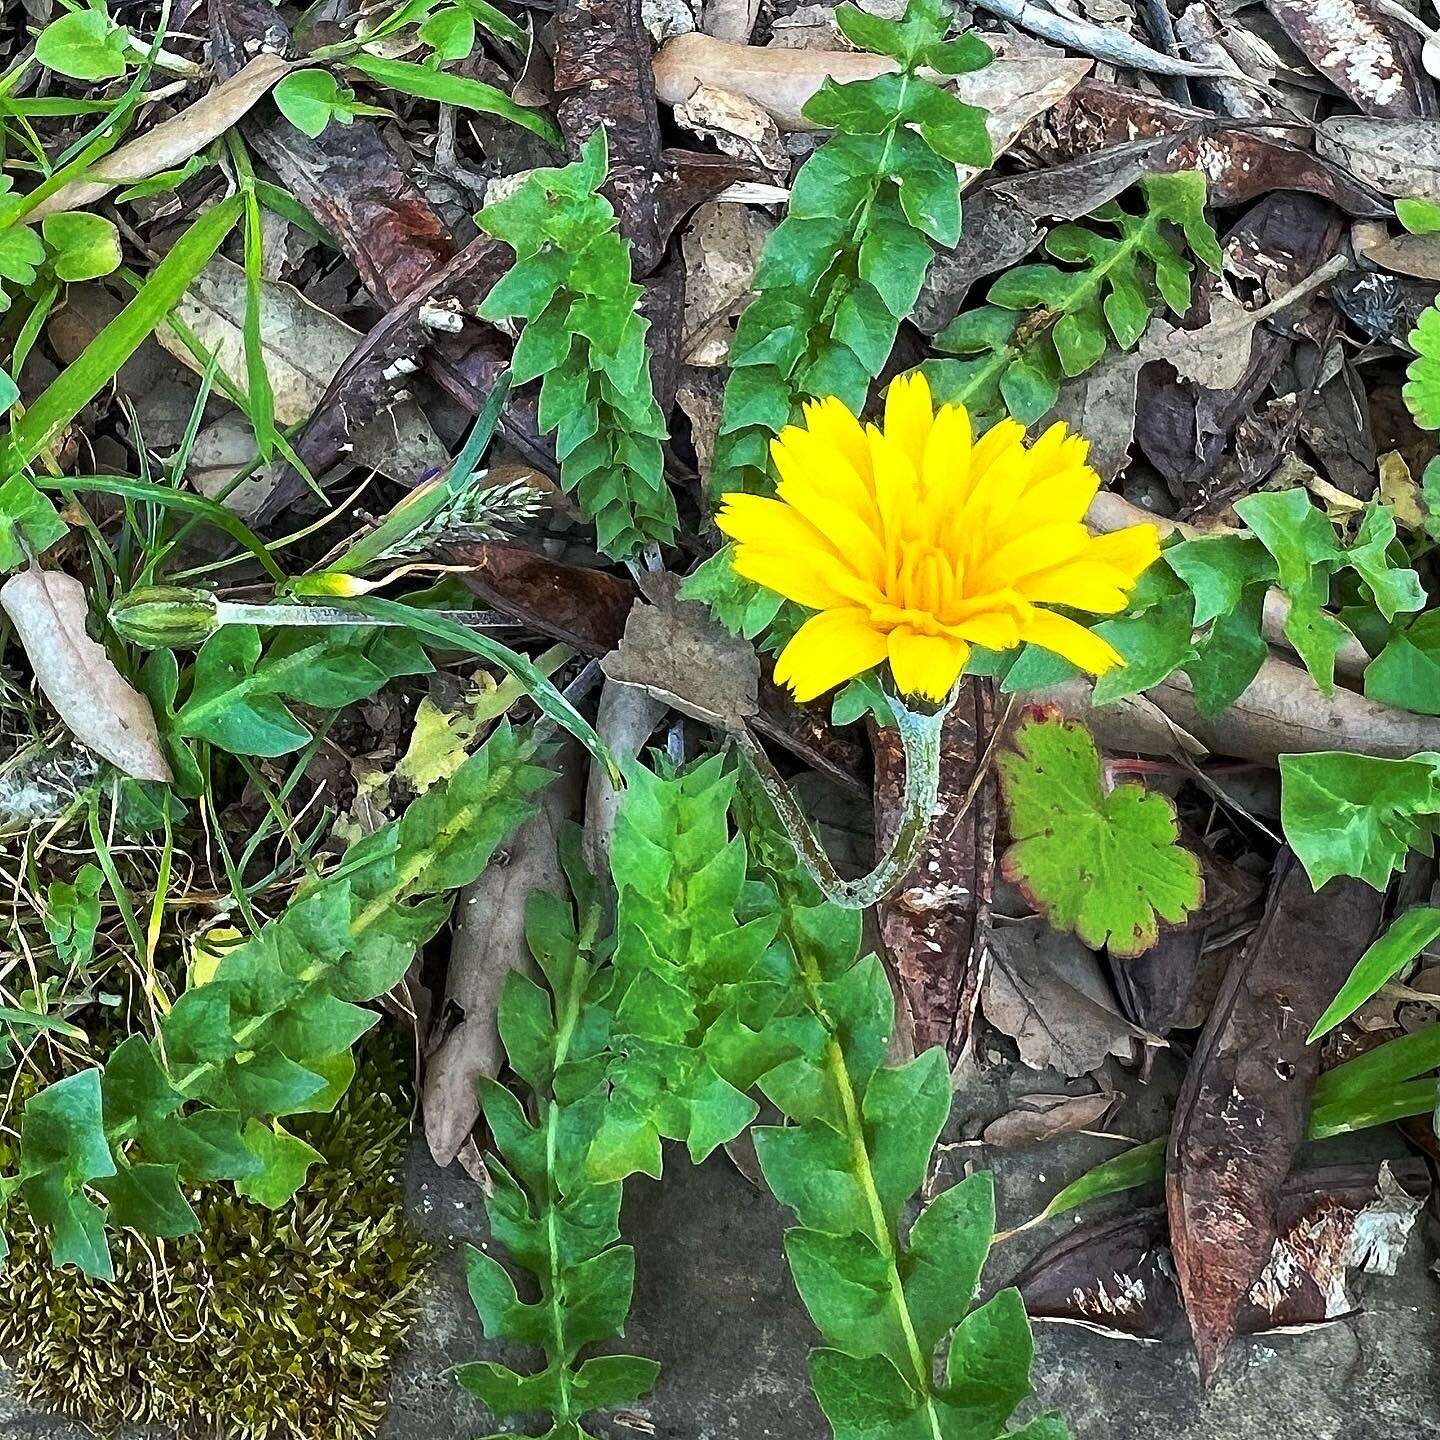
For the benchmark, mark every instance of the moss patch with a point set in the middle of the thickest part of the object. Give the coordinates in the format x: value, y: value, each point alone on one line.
x: 261, y: 1325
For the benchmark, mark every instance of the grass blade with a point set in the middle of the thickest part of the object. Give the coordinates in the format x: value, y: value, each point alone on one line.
x: 455, y: 90
x: 97, y: 364
x: 1390, y: 954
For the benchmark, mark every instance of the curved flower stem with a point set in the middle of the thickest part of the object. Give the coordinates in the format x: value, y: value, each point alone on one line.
x: 920, y: 740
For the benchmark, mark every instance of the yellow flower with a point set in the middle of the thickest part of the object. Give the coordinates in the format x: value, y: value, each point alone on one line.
x: 916, y: 541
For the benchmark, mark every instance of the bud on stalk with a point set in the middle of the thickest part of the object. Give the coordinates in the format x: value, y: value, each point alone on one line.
x: 169, y: 617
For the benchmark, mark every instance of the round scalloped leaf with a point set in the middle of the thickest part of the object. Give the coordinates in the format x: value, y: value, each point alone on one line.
x: 1103, y: 864
x: 1422, y: 389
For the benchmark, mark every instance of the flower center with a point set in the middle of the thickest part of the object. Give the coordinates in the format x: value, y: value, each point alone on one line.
x: 926, y: 580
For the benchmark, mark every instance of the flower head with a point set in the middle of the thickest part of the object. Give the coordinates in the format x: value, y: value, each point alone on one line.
x: 915, y: 541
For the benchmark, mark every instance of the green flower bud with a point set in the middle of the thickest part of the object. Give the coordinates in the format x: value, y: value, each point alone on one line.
x: 167, y: 617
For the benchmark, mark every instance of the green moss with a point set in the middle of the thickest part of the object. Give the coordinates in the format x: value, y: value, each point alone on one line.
x: 265, y: 1324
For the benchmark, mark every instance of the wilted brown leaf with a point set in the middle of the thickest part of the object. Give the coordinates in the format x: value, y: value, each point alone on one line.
x: 1241, y: 1112
x: 103, y: 710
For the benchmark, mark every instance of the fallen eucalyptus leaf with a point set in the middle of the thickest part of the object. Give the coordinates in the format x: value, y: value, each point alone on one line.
x: 304, y: 346
x: 1360, y: 50
x: 172, y: 142
x: 1241, y: 1113
x: 104, y: 711
x: 1013, y: 90
x: 1042, y: 1117
x: 1104, y: 42
x: 1398, y: 157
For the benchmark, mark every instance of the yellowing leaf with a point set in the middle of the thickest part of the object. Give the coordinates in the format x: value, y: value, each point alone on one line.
x: 1106, y: 866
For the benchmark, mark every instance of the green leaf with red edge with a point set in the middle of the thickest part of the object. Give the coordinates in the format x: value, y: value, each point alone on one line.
x: 1105, y: 865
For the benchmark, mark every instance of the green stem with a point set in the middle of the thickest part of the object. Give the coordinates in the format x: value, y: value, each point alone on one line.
x: 985, y: 378
x: 557, y: 1296
x: 920, y: 736
x: 864, y: 1172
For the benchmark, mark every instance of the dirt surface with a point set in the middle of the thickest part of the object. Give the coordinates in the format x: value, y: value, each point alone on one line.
x: 714, y: 1304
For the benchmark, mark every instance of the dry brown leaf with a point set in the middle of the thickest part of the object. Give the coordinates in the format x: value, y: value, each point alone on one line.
x: 678, y: 654
x: 103, y: 710
x: 1046, y: 991
x: 1417, y: 255
x: 1399, y: 490
x: 303, y: 346
x: 171, y: 143
x: 1397, y: 157
x: 737, y: 126
x: 1217, y: 354
x: 489, y: 943
x: 1042, y: 1117
x: 1013, y: 90
x: 722, y: 248
x: 1101, y: 406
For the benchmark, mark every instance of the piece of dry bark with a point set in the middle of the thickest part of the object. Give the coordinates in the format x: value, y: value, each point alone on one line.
x: 1364, y: 53
x: 1116, y: 1277
x: 603, y: 78
x: 1241, y: 1112
x: 348, y: 178
x: 48, y: 609
x: 933, y: 927
x: 1240, y: 163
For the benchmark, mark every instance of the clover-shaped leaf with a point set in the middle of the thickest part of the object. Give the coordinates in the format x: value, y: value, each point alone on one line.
x: 311, y: 99
x: 84, y: 247
x: 1105, y: 865
x: 85, y: 45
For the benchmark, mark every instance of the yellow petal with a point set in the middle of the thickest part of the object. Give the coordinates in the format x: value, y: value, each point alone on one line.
x: 1041, y: 549
x: 1072, y: 642
x: 926, y: 665
x: 1081, y: 584
x: 909, y: 415
x: 994, y: 629
x: 828, y: 649
x: 770, y: 524
x: 1066, y: 495
x: 999, y: 471
x: 812, y: 490
x: 945, y: 474
x: 1057, y: 449
x: 896, y: 486
x: 799, y: 453
x: 1132, y: 550
x: 809, y: 578
x: 830, y: 422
